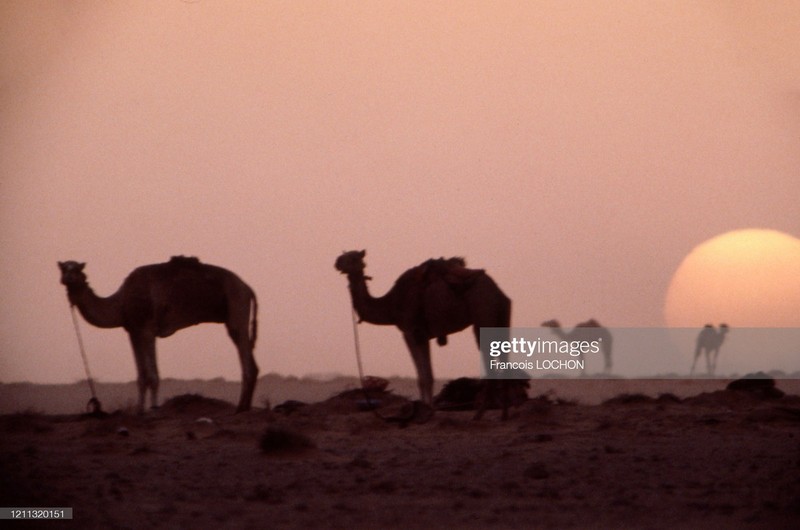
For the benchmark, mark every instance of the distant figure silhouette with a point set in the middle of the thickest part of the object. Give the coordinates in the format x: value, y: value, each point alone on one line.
x: 158, y: 300
x: 432, y: 300
x: 580, y: 333
x: 709, y: 340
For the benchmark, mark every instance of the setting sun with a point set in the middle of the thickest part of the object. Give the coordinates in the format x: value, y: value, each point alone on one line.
x: 745, y: 278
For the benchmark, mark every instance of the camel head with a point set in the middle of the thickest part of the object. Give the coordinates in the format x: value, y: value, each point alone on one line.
x: 551, y: 324
x: 72, y: 273
x: 591, y: 323
x: 351, y: 262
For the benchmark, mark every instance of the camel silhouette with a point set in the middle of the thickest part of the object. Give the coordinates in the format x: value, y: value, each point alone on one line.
x: 433, y: 299
x: 709, y: 340
x: 579, y: 332
x: 157, y: 300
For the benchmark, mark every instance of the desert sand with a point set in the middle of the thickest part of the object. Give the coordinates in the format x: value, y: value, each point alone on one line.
x: 578, y: 454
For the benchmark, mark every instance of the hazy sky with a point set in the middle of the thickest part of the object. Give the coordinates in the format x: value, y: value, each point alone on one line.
x: 576, y: 150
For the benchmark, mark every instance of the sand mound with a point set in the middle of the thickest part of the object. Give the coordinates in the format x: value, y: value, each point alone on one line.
x: 743, y: 392
x: 196, y: 405
x: 462, y: 394
x: 356, y: 399
x: 458, y: 394
x: 759, y: 385
x: 638, y: 398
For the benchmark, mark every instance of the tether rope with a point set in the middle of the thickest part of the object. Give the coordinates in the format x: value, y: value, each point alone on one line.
x: 358, y: 347
x: 369, y: 404
x: 93, y: 406
x: 402, y: 420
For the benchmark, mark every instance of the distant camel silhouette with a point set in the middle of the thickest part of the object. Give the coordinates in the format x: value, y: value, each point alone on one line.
x: 433, y: 299
x: 158, y: 300
x: 580, y: 333
x: 709, y: 340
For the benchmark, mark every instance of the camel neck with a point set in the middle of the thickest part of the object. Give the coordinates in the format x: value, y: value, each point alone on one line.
x: 98, y: 311
x: 369, y: 309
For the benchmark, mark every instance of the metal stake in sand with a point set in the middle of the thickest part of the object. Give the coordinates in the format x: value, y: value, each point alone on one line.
x: 93, y: 406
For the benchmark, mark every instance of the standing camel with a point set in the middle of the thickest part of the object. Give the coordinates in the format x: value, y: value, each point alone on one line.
x: 158, y: 300
x: 431, y: 300
x: 579, y: 332
x: 709, y: 340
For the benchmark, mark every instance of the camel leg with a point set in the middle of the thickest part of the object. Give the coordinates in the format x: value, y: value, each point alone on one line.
x: 483, y: 397
x: 141, y: 381
x: 241, y: 339
x: 152, y: 372
x: 421, y: 354
x: 696, y: 355
x: 505, y: 400
x: 489, y: 389
x: 144, y: 353
x: 485, y: 359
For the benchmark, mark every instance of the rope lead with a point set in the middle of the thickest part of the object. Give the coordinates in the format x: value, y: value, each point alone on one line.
x: 93, y: 405
x: 417, y: 412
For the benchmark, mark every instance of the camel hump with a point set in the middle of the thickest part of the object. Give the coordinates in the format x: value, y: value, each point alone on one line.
x: 184, y: 261
x: 453, y: 271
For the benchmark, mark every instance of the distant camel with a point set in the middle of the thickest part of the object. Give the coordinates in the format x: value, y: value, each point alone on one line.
x: 579, y: 333
x: 709, y: 340
x: 433, y: 299
x: 158, y: 300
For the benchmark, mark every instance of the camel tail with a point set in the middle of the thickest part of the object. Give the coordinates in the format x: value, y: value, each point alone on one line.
x: 253, y: 321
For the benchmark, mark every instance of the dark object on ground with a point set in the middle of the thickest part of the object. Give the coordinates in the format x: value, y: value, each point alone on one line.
x: 197, y: 405
x: 463, y: 394
x: 458, y: 394
x: 289, y: 406
x: 759, y: 384
x: 278, y: 440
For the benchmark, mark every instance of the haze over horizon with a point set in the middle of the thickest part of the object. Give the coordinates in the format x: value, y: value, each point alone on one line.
x: 576, y: 151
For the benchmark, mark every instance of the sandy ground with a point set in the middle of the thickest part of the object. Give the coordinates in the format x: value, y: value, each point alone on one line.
x: 698, y: 456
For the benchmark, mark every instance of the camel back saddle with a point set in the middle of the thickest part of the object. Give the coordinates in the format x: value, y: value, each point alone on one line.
x: 437, y: 286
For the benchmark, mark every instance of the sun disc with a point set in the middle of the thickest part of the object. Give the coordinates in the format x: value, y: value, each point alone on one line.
x: 745, y: 278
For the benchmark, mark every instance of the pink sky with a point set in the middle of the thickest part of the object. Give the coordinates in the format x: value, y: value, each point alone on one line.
x: 576, y: 150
